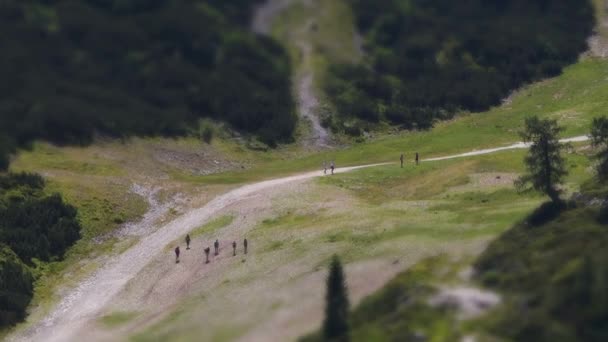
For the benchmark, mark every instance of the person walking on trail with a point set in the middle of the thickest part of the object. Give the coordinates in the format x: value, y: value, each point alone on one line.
x: 417, y: 159
x: 207, y: 250
x: 177, y: 254
x: 324, y: 167
x: 216, y: 245
x: 401, y: 158
x: 245, y: 245
x: 233, y: 248
x: 187, y: 241
x: 332, y: 166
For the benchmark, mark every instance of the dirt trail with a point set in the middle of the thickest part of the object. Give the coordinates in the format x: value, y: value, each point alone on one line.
x: 598, y: 43
x: 82, y: 304
x: 86, y: 300
x: 307, y: 100
x: 518, y: 145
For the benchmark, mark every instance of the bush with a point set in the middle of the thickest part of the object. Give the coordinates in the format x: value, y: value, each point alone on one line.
x: 547, y: 212
x: 554, y: 277
x: 15, y: 287
x: 32, y: 224
x: 602, y: 216
x: 206, y: 131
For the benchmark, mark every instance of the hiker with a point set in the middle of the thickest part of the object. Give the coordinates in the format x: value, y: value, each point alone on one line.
x: 207, y: 250
x: 401, y: 158
x: 216, y: 245
x: 417, y: 159
x: 332, y: 166
x: 177, y: 254
x: 187, y: 241
x: 245, y: 245
x: 233, y: 248
x: 324, y: 167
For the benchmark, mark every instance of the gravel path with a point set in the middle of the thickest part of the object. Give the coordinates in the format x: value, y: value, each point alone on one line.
x: 85, y: 301
x: 518, y: 145
x: 265, y: 13
x: 307, y: 101
x: 82, y: 304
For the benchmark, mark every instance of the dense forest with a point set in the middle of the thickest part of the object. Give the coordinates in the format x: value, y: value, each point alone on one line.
x: 430, y: 59
x: 73, y: 69
x: 33, y: 225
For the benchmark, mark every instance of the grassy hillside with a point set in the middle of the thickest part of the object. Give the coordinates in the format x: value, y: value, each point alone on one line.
x: 381, y: 219
x: 553, y: 277
x: 74, y: 70
x: 423, y: 65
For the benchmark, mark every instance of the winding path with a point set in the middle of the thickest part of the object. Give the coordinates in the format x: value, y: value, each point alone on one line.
x: 307, y: 101
x: 82, y: 304
x: 518, y: 145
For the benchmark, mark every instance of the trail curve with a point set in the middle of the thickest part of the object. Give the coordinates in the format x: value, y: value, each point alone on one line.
x: 82, y: 304
x: 515, y: 146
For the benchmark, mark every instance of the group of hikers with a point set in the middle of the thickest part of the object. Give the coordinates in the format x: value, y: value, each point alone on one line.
x: 216, y: 246
x: 416, y: 159
x: 332, y: 167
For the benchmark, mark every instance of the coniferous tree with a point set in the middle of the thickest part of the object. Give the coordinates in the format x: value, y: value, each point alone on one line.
x: 545, y: 164
x: 335, y: 326
x: 599, y: 139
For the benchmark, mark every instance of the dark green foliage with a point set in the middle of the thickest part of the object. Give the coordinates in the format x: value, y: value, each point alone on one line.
x: 599, y: 138
x: 33, y: 224
x: 72, y: 69
x: 429, y: 58
x: 546, y: 212
x: 335, y: 325
x: 400, y: 311
x: 15, y: 287
x: 602, y: 216
x: 554, y: 277
x: 545, y: 164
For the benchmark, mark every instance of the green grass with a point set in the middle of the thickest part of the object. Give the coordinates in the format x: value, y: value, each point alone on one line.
x: 209, y: 227
x: 390, y: 208
x: 117, y: 319
x: 399, y: 311
x: 557, y: 271
x: 574, y: 98
x: 212, y: 226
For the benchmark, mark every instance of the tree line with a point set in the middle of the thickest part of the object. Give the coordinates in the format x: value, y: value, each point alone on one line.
x: 427, y: 60
x: 73, y: 69
x: 33, y: 226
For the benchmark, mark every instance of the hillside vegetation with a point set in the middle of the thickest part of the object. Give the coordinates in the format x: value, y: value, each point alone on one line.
x: 554, y: 276
x: 550, y: 270
x: 425, y: 65
x: 72, y: 69
x: 33, y: 227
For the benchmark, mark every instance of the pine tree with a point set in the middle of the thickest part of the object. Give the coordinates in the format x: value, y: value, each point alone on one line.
x: 335, y: 326
x: 599, y: 138
x: 546, y: 166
